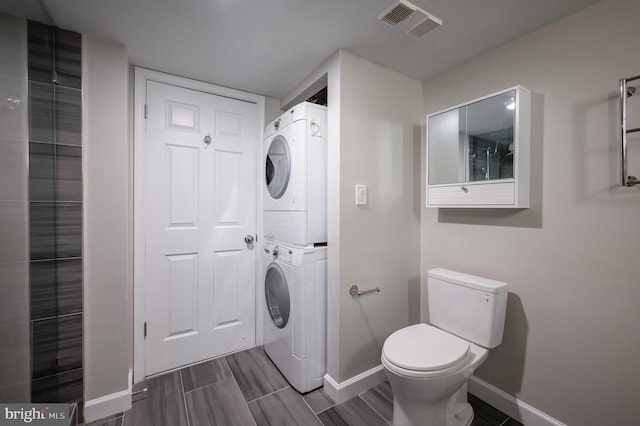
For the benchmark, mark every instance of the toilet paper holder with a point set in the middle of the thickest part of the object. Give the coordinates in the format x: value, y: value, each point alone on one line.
x: 354, y: 291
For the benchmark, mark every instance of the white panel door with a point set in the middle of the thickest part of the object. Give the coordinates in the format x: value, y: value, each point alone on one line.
x: 200, y: 203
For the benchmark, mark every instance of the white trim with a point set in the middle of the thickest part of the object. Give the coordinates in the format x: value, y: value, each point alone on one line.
x: 107, y: 405
x: 141, y: 76
x: 139, y: 294
x: 340, y: 392
x: 508, y: 404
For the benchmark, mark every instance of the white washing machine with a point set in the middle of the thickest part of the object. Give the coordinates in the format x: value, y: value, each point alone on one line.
x: 295, y: 196
x: 295, y: 319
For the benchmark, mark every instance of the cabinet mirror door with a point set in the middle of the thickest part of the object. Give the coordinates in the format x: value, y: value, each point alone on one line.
x: 474, y: 142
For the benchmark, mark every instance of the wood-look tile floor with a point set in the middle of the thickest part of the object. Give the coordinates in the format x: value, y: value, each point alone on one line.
x: 245, y: 388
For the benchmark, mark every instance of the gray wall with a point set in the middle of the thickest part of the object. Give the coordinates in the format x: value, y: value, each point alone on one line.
x: 379, y: 146
x: 271, y: 109
x: 107, y: 230
x: 571, y: 337
x: 15, y: 354
x: 374, y: 139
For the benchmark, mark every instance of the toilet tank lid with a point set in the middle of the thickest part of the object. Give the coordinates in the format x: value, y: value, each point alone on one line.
x: 466, y: 280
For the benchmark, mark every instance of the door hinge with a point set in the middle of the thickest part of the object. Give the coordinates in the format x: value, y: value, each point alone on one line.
x: 145, y: 329
x: 146, y: 111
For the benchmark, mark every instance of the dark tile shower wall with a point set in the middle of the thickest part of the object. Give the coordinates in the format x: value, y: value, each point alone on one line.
x: 55, y: 207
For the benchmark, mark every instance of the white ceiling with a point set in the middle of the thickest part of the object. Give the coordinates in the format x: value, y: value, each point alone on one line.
x: 269, y: 46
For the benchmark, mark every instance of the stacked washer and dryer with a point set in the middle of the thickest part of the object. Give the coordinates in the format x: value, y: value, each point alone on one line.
x: 295, y: 253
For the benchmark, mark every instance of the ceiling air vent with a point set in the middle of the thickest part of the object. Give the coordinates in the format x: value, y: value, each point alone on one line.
x: 421, y: 28
x: 409, y: 18
x: 397, y: 12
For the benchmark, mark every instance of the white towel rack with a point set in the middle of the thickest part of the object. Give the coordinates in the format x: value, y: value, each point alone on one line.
x: 626, y: 92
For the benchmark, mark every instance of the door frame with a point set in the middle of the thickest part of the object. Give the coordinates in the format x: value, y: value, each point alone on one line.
x: 141, y: 76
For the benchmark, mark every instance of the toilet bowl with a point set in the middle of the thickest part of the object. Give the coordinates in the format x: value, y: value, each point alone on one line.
x: 428, y: 365
x: 428, y: 369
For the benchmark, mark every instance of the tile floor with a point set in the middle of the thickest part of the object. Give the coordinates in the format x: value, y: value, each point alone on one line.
x: 245, y: 388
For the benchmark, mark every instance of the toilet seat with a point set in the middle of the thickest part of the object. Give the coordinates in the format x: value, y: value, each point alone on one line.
x: 422, y: 350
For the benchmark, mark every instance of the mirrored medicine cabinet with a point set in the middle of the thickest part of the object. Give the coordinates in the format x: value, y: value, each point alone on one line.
x: 478, y: 152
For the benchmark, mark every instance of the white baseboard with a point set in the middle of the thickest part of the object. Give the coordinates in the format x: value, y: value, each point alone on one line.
x: 340, y: 392
x: 508, y: 404
x: 108, y: 405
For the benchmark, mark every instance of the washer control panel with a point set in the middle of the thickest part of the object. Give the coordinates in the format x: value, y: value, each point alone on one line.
x: 278, y: 252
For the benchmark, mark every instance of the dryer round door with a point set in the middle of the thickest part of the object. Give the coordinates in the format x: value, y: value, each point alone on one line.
x: 278, y: 167
x: 277, y: 297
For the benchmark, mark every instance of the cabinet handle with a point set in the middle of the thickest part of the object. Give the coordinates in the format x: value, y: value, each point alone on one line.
x: 465, y: 189
x: 626, y: 92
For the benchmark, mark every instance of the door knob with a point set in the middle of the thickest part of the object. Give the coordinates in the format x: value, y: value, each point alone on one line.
x: 248, y: 239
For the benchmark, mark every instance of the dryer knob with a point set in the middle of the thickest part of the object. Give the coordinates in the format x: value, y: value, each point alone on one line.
x: 275, y: 252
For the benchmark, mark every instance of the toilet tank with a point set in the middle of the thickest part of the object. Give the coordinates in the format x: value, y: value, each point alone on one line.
x: 470, y: 307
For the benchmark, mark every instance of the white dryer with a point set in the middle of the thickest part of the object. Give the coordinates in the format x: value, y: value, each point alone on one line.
x: 295, y: 196
x: 295, y: 319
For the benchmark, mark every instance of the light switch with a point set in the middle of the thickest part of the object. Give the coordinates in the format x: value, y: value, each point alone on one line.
x: 361, y: 195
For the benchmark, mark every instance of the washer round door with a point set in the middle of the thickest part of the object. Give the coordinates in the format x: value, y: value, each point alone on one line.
x: 278, y: 167
x: 276, y: 291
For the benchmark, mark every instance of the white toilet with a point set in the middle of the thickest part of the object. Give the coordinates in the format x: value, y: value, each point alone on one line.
x: 428, y: 365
